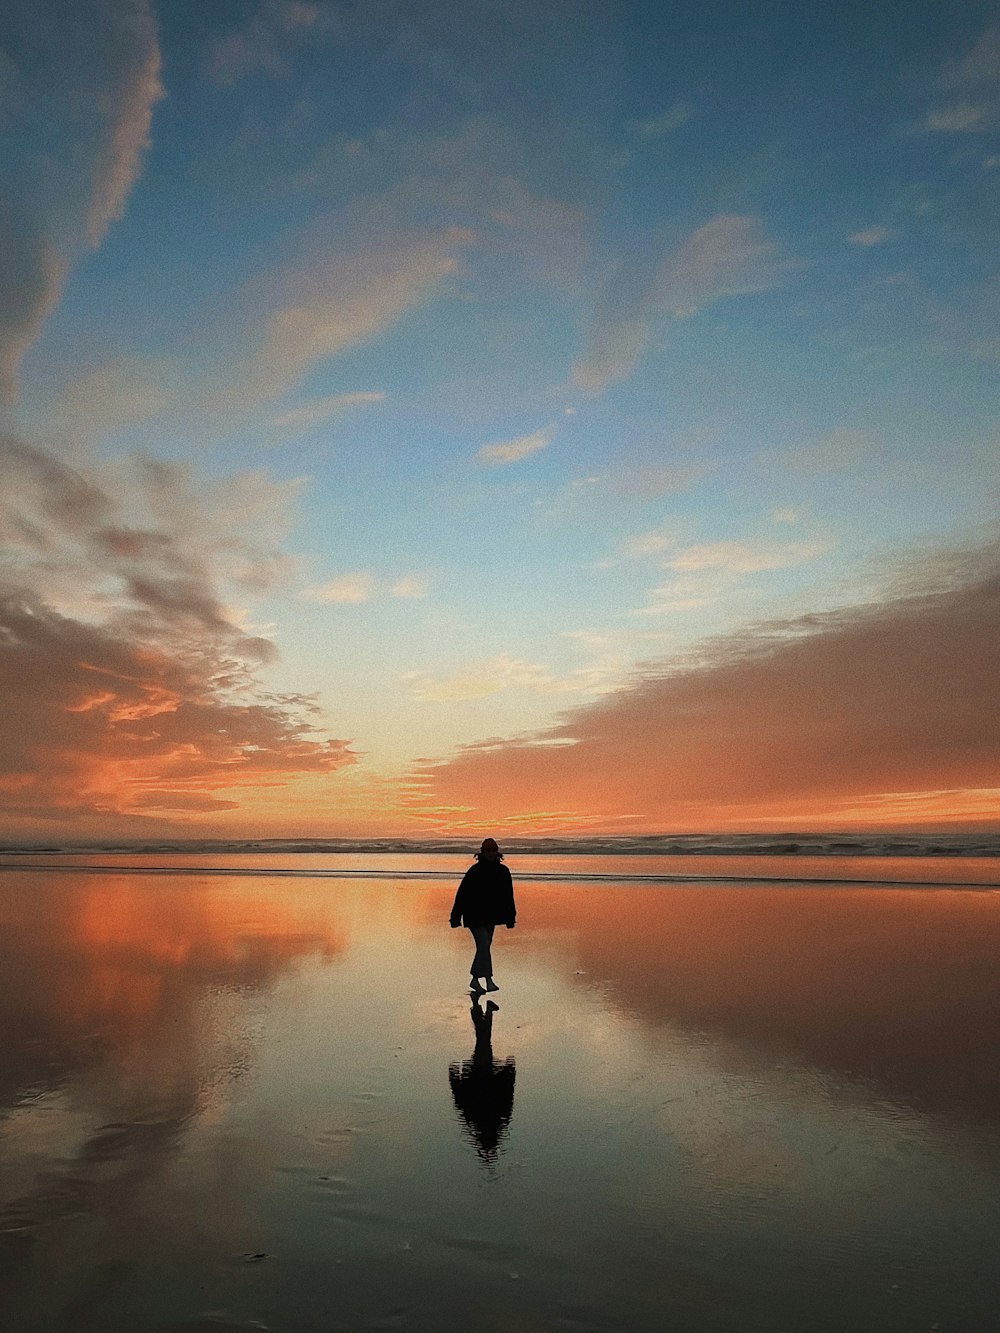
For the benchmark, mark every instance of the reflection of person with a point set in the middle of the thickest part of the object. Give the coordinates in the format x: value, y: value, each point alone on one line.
x: 483, y: 1088
x: 485, y: 900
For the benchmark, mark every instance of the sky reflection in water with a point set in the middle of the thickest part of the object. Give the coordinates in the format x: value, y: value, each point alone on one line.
x: 243, y: 1103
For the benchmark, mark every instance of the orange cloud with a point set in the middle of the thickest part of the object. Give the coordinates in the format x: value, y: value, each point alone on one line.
x: 881, y: 714
x: 144, y: 697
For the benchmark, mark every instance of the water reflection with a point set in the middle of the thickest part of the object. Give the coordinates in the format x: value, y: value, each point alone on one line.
x: 483, y: 1087
x: 211, y: 1117
x: 123, y: 1022
x: 899, y: 989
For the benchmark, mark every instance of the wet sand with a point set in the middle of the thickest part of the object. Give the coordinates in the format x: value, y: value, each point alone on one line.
x: 246, y: 1102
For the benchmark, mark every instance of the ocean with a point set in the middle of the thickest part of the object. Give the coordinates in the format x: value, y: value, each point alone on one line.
x: 246, y: 1087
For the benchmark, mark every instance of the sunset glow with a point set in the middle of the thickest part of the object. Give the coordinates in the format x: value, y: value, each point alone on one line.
x: 541, y: 418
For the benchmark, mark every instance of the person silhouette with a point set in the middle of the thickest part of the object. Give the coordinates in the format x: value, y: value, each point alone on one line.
x: 485, y: 900
x: 483, y: 1088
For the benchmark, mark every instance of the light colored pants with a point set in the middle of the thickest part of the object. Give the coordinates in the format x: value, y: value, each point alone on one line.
x: 482, y: 964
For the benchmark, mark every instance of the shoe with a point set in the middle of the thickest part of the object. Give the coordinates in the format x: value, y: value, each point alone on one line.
x: 492, y: 985
x: 475, y: 987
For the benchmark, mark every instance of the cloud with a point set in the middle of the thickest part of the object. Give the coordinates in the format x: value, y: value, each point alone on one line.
x: 360, y: 586
x: 655, y: 127
x: 131, y: 685
x: 497, y: 675
x: 86, y: 79
x: 319, y: 410
x: 702, y: 572
x: 348, y: 589
x: 650, y: 544
x: 121, y: 392
x: 730, y: 255
x: 330, y: 301
x: 129, y: 118
x: 513, y: 451
x: 266, y: 44
x: 547, y: 235
x: 870, y: 236
x: 824, y: 720
x: 411, y: 587
x: 31, y: 278
x: 970, y: 90
x: 736, y: 557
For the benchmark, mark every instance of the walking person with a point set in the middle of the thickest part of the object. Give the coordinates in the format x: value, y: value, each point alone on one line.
x: 485, y: 900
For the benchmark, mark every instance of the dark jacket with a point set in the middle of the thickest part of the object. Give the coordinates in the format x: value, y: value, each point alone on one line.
x: 485, y: 896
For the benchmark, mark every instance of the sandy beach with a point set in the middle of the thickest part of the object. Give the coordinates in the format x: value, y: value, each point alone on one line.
x: 240, y: 1102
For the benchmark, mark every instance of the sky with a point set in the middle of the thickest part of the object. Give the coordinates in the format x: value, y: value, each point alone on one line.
x: 537, y: 416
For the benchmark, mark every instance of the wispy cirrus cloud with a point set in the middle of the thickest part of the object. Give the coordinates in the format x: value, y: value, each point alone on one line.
x: 361, y: 586
x: 129, y: 119
x: 655, y: 127
x: 744, y: 557
x: 502, y: 452
x: 31, y: 278
x: 730, y: 255
x: 411, y: 587
x: 85, y: 82
x: 330, y: 300
x: 345, y: 590
x: 870, y: 236
x: 498, y: 675
x: 319, y: 410
x: 969, y: 89
x: 701, y: 572
x: 121, y: 392
x: 266, y: 43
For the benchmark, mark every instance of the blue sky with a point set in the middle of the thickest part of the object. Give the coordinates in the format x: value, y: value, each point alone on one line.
x: 501, y: 350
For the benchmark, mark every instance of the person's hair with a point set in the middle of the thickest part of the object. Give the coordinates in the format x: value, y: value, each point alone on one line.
x: 499, y: 853
x: 498, y: 857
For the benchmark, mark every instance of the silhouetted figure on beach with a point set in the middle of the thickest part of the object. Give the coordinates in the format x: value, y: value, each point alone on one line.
x: 485, y: 900
x: 483, y: 1088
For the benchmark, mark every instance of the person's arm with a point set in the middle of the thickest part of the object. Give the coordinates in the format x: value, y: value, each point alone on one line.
x: 511, y: 910
x: 459, y: 904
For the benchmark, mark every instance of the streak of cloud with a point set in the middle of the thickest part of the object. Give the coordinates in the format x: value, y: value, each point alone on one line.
x: 730, y: 255
x: 266, y: 43
x: 31, y: 278
x: 347, y: 590
x: 128, y: 118
x: 514, y: 451
x: 319, y: 410
x: 870, y: 236
x: 655, y: 127
x: 85, y: 80
x: 118, y: 393
x: 969, y: 87
x: 332, y: 300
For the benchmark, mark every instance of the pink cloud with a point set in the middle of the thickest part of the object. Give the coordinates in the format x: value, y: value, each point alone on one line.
x: 829, y: 719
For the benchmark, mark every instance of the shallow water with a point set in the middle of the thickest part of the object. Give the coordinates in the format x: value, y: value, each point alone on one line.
x: 248, y: 1102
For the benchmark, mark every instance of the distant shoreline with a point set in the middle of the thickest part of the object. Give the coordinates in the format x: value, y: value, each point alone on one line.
x: 749, y: 844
